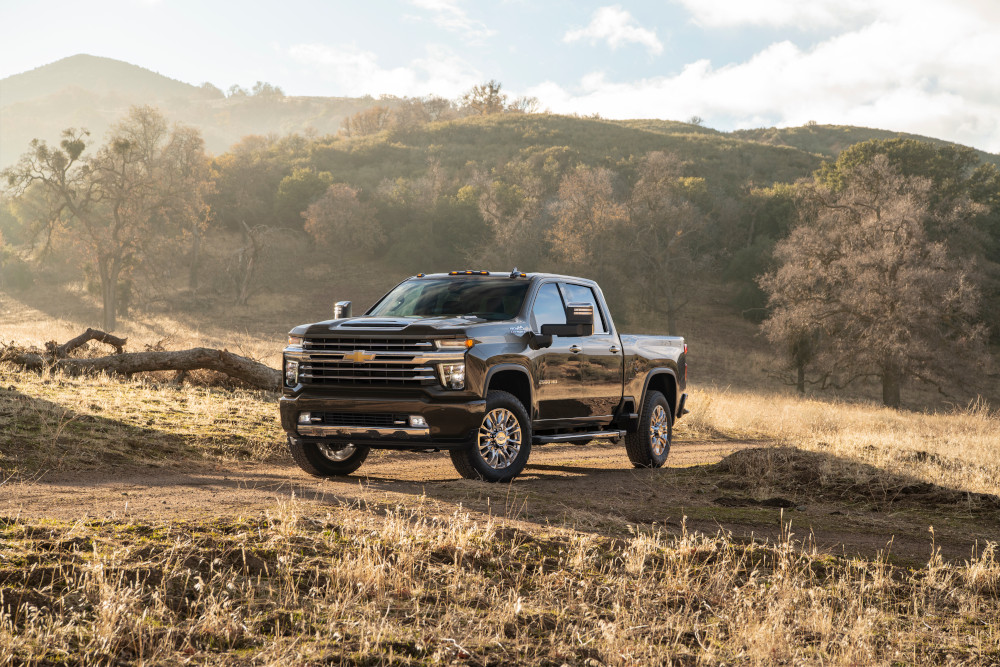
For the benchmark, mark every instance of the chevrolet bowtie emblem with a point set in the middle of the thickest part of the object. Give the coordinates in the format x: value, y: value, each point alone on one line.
x: 359, y: 356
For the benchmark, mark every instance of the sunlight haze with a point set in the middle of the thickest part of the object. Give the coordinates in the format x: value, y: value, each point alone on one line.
x: 920, y: 67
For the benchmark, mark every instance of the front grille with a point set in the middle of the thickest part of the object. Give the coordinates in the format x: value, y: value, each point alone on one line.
x: 367, y: 343
x: 369, y: 419
x: 373, y: 373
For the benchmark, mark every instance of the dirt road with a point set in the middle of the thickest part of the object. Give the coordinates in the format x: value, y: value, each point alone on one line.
x: 590, y: 488
x: 595, y: 474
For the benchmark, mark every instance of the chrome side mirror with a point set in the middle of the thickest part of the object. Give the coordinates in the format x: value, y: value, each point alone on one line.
x: 341, y: 309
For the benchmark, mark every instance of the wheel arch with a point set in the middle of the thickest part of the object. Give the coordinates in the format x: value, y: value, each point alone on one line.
x: 665, y: 382
x: 513, y: 379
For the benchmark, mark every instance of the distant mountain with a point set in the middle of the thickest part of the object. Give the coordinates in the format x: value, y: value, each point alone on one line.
x: 93, y: 92
x: 96, y: 75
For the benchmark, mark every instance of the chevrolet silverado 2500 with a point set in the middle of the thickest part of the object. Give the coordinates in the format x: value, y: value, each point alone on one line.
x: 484, y: 365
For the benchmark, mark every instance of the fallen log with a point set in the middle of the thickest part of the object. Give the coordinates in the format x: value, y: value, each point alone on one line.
x: 126, y: 363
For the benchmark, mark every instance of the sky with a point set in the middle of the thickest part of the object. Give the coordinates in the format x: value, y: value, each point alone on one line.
x: 929, y: 67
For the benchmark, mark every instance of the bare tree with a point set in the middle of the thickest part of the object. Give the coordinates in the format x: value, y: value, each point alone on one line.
x: 367, y: 122
x: 246, y: 260
x: 486, y: 98
x: 860, y: 279
x: 135, y: 187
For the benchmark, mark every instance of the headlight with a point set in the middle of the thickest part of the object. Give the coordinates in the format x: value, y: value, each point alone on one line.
x: 453, y: 376
x: 295, y: 341
x: 454, y: 343
x: 291, y: 372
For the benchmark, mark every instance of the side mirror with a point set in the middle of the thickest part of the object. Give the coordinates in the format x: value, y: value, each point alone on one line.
x: 341, y: 309
x: 579, y: 322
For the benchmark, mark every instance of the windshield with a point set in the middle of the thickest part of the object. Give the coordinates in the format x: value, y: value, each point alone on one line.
x: 454, y: 297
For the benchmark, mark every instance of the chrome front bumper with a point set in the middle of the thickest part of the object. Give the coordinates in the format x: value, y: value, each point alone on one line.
x: 320, y: 431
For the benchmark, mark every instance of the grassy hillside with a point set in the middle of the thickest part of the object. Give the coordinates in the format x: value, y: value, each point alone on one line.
x: 724, y: 161
x: 828, y: 140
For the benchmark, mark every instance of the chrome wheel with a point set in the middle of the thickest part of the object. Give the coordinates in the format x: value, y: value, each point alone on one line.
x: 659, y: 430
x: 499, y: 438
x: 334, y: 454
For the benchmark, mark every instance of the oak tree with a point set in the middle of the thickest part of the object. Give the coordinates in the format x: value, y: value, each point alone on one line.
x: 860, y: 281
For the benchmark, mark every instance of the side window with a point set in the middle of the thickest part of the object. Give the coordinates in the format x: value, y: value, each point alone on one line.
x: 548, y: 307
x: 583, y: 294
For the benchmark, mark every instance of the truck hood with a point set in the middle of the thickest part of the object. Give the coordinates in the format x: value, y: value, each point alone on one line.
x: 392, y: 325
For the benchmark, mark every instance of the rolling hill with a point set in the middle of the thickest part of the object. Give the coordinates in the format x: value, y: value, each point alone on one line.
x: 93, y: 92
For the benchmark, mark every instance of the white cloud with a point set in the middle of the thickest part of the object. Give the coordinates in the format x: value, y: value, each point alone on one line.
x: 926, y: 72
x: 617, y: 27
x: 357, y: 72
x: 449, y: 16
x: 782, y: 13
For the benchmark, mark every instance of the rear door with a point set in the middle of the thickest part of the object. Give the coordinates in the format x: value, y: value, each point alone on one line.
x: 578, y: 379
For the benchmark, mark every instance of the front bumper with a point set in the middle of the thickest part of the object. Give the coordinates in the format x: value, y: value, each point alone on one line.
x: 450, y: 425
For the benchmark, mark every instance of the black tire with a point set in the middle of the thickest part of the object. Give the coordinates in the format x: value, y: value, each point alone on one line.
x: 475, y: 462
x: 323, y: 460
x: 646, y: 446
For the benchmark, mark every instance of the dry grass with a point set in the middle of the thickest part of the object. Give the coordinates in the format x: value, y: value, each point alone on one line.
x: 959, y: 449
x: 405, y: 586
x: 52, y: 422
x: 409, y: 585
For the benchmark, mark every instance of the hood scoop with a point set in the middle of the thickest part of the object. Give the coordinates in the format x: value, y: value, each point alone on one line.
x: 376, y: 324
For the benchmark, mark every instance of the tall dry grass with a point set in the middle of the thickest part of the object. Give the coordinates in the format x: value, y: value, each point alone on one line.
x: 959, y: 448
x: 402, y: 585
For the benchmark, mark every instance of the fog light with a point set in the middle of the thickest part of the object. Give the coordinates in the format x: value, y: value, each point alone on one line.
x: 453, y: 376
x: 417, y: 421
x: 305, y: 418
x: 291, y: 372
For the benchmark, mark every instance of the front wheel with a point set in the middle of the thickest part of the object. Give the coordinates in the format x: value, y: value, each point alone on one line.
x: 503, y: 442
x: 649, y: 445
x: 327, y: 460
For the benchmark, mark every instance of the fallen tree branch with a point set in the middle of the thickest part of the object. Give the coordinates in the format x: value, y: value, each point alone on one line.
x: 126, y: 363
x: 89, y: 335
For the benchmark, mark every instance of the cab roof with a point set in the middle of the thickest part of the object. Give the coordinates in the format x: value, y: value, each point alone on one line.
x: 515, y: 275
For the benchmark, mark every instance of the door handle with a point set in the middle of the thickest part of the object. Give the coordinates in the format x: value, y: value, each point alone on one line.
x: 614, y: 349
x: 575, y: 349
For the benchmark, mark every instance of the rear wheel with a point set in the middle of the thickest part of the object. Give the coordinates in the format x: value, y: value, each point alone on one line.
x: 649, y: 445
x: 503, y: 442
x: 327, y: 460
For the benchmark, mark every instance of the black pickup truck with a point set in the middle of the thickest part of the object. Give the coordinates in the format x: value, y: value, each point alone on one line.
x: 483, y: 365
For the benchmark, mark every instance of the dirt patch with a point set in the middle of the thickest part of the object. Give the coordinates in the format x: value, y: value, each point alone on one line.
x: 591, y: 488
x: 815, y: 477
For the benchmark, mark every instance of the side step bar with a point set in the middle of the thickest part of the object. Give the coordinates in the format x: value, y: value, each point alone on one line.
x: 575, y: 437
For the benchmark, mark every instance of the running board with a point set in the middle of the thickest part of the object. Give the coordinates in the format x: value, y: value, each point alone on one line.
x: 574, y: 437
